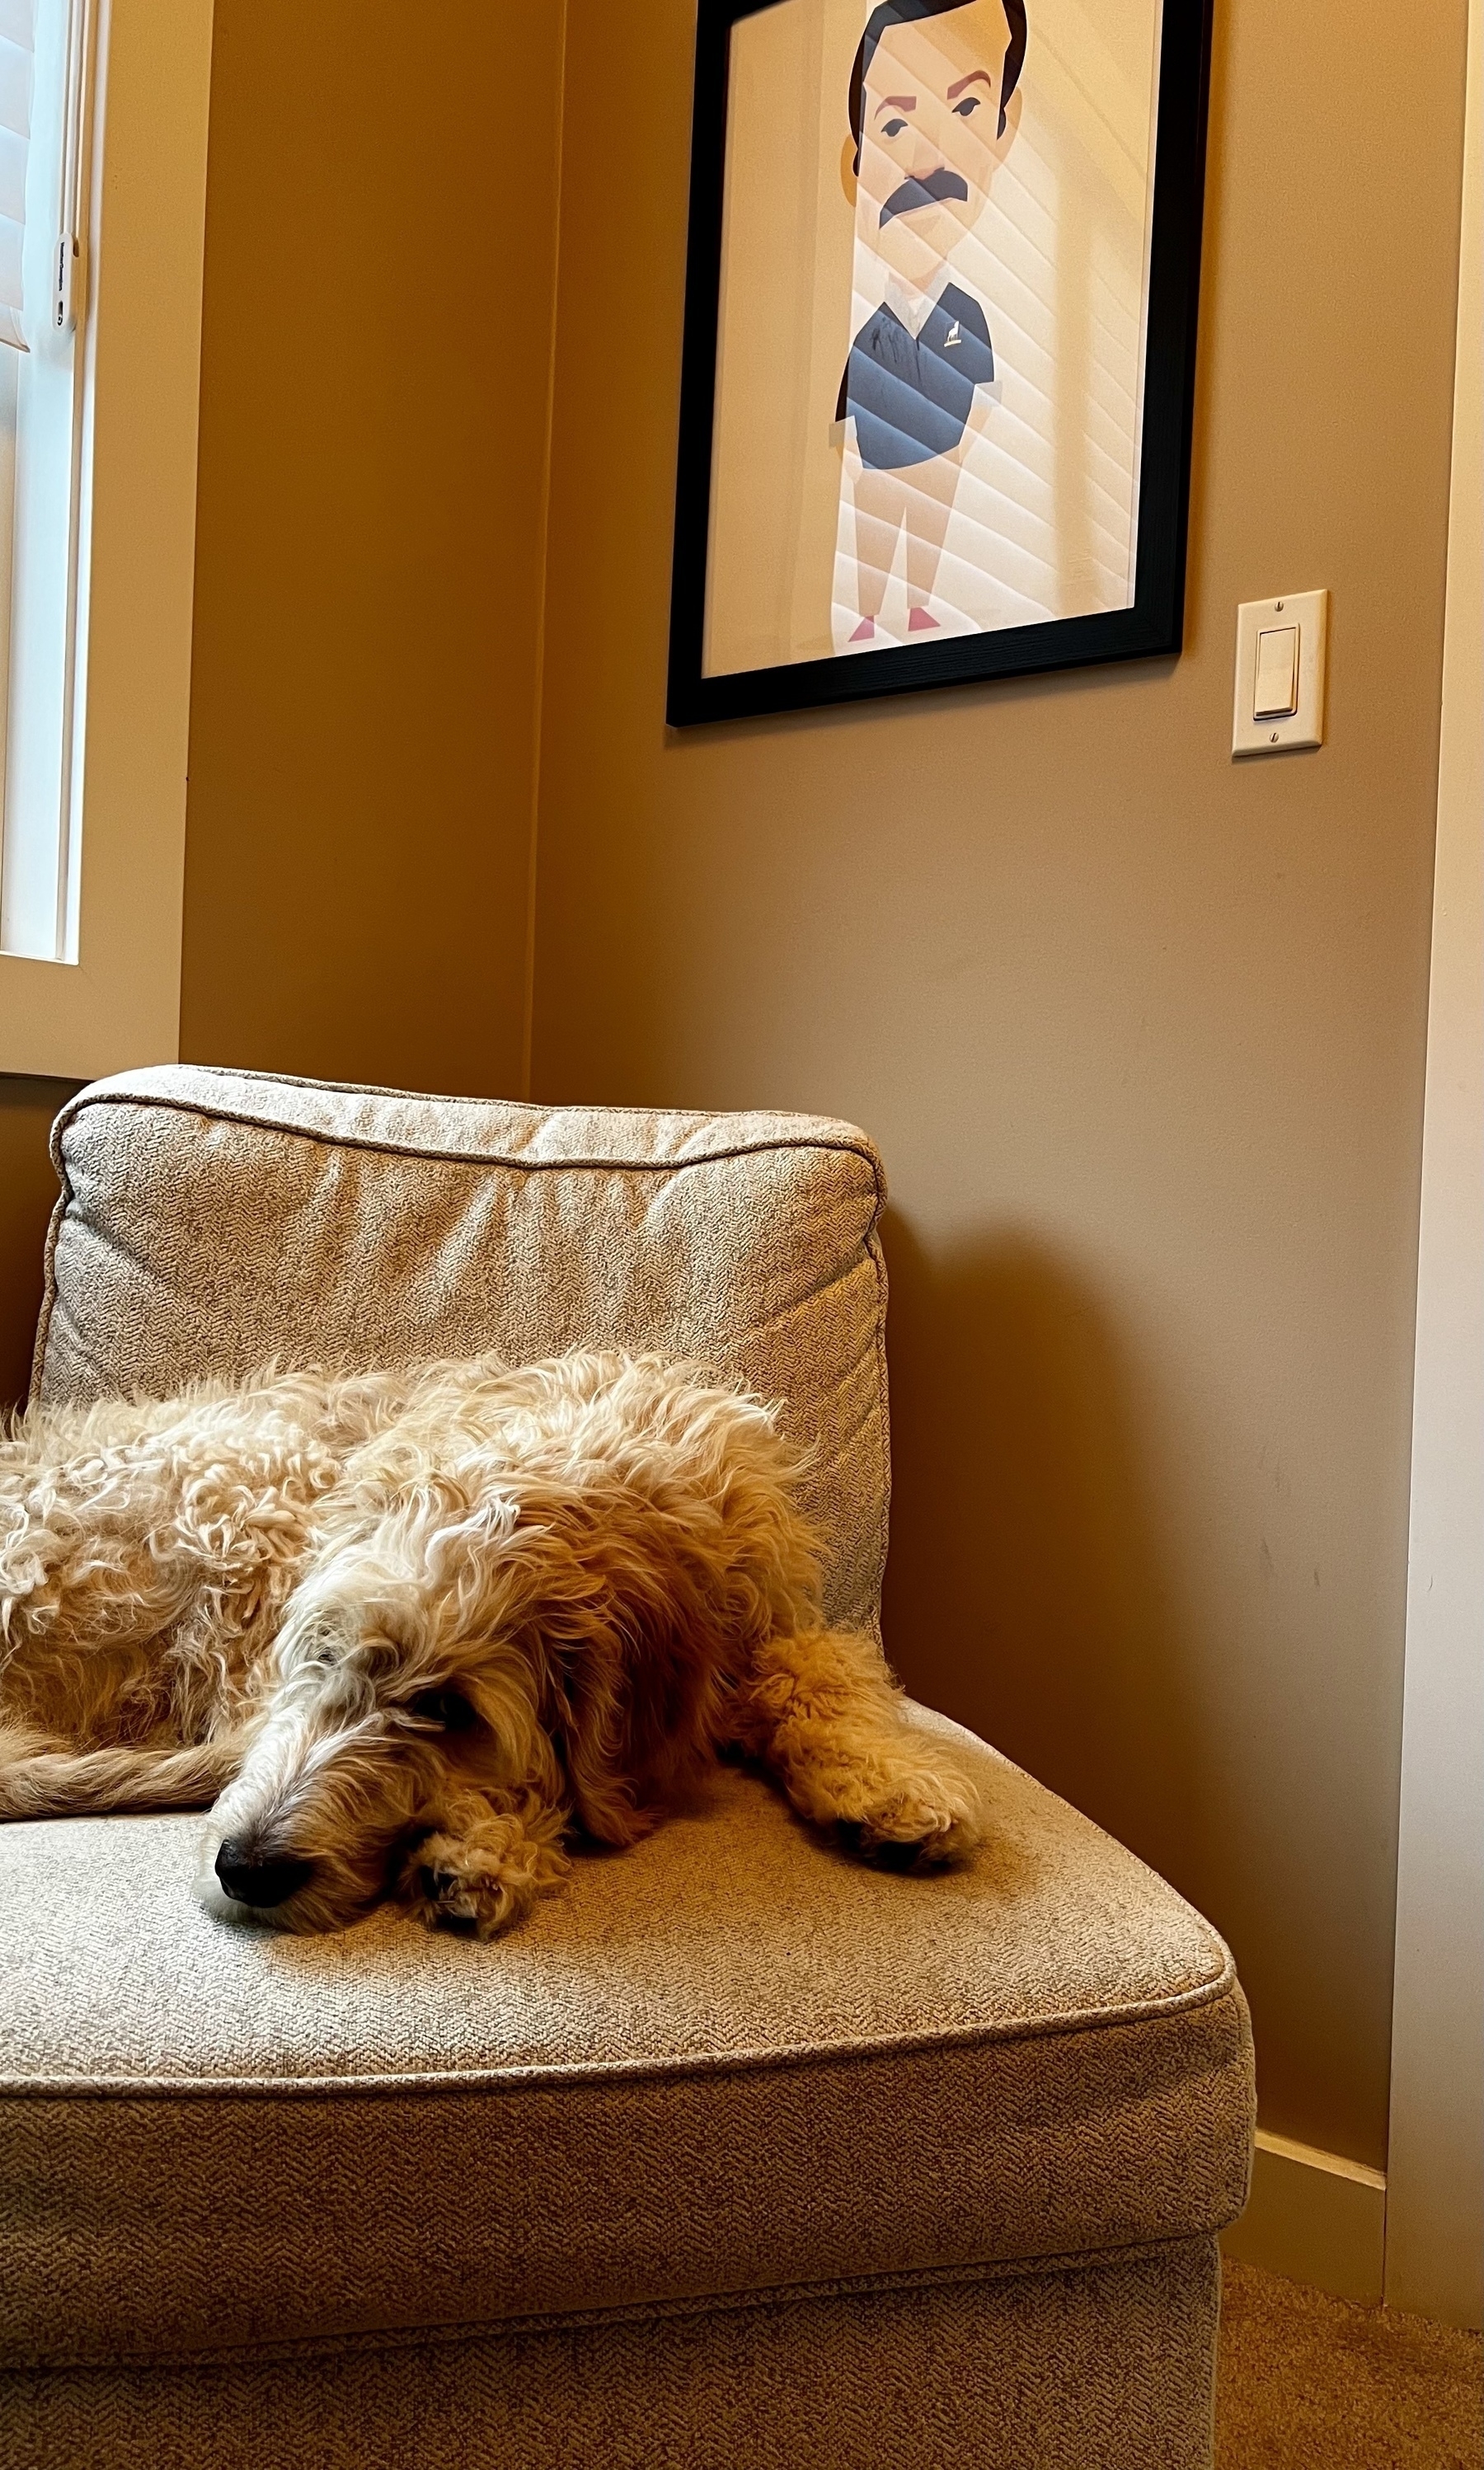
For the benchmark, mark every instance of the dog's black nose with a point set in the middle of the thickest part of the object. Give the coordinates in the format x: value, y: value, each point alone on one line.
x: 260, y: 1879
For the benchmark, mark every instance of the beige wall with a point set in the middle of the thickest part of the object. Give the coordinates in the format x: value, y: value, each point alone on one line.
x: 1139, y: 1030
x: 28, y: 1189
x: 380, y: 244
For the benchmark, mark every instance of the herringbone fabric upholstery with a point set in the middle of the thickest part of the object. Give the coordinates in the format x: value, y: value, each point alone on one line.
x: 1093, y: 2366
x: 729, y: 2060
x: 738, y: 2155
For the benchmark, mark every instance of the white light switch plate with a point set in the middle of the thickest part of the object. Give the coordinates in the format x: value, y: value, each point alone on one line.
x: 1309, y: 613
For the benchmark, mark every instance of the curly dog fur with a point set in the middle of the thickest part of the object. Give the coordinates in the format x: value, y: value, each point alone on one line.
x: 410, y: 1632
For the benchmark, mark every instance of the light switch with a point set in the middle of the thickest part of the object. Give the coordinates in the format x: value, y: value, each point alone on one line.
x: 1277, y: 673
x: 1280, y: 683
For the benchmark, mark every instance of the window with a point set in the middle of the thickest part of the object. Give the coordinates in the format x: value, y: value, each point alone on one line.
x: 45, y: 89
x: 103, y: 126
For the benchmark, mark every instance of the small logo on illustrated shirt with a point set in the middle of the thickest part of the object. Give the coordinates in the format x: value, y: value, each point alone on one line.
x: 954, y: 337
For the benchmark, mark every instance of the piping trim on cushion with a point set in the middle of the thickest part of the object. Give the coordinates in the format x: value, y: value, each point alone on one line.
x: 1221, y: 1986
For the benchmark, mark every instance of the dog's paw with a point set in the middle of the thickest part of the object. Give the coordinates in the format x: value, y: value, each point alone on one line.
x: 924, y: 1823
x: 468, y: 1889
x: 477, y: 1886
x: 449, y: 1892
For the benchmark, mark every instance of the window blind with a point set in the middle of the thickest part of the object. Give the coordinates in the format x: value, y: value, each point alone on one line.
x: 17, y: 55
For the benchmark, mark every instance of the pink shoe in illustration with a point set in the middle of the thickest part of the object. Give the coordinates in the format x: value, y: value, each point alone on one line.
x: 864, y: 632
x: 921, y: 621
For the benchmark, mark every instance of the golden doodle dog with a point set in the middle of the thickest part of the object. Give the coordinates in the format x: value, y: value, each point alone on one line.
x: 411, y: 1632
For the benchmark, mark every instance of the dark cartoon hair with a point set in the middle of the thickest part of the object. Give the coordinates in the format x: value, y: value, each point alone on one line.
x: 904, y: 13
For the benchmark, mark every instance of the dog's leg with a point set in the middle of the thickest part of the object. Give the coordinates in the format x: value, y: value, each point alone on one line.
x: 821, y: 1711
x: 41, y: 1780
x: 485, y: 1862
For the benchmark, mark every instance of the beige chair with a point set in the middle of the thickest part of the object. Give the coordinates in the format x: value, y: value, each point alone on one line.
x: 736, y: 2154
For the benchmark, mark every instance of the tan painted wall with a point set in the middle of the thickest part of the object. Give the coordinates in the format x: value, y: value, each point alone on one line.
x: 379, y: 244
x: 1141, y: 1032
x: 28, y: 1189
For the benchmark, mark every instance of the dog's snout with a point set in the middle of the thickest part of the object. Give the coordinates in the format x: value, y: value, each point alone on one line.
x: 260, y: 1879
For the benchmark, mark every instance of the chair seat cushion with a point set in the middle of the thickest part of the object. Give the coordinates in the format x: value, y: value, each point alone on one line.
x: 730, y: 2059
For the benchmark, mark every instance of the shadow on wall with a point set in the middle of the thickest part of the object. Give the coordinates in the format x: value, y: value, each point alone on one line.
x: 1023, y: 1593
x: 28, y: 1191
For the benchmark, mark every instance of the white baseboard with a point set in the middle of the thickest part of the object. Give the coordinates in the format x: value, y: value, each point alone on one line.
x: 1313, y: 2216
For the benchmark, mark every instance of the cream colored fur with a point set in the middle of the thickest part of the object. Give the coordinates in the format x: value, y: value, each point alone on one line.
x: 416, y: 1630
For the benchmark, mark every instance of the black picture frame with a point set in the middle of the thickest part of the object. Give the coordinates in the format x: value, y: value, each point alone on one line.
x: 1152, y: 625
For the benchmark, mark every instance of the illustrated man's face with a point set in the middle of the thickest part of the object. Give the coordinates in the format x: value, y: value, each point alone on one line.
x: 929, y: 141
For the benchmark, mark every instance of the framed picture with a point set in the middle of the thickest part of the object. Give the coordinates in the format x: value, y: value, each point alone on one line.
x: 939, y: 344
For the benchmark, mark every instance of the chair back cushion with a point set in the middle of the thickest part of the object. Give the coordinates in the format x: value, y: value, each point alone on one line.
x: 211, y: 1219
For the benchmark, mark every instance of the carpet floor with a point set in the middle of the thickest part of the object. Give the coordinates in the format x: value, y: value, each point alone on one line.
x: 1307, y: 2383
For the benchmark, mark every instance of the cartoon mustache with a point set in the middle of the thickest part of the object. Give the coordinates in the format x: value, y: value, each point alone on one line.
x: 934, y: 190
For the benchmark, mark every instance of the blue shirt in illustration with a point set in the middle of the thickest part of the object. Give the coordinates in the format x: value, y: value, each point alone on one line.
x: 909, y: 395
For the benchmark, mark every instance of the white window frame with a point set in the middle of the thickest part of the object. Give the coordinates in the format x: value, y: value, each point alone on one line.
x: 118, y: 1004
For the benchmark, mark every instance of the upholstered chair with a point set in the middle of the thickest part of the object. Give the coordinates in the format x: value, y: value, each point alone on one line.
x: 737, y: 2155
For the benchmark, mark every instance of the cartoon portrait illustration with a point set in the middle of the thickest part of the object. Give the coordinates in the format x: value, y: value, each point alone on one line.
x: 930, y: 96
x: 925, y: 371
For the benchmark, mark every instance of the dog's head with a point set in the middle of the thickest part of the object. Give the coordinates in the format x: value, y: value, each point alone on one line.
x: 395, y: 1687
x: 487, y: 1583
